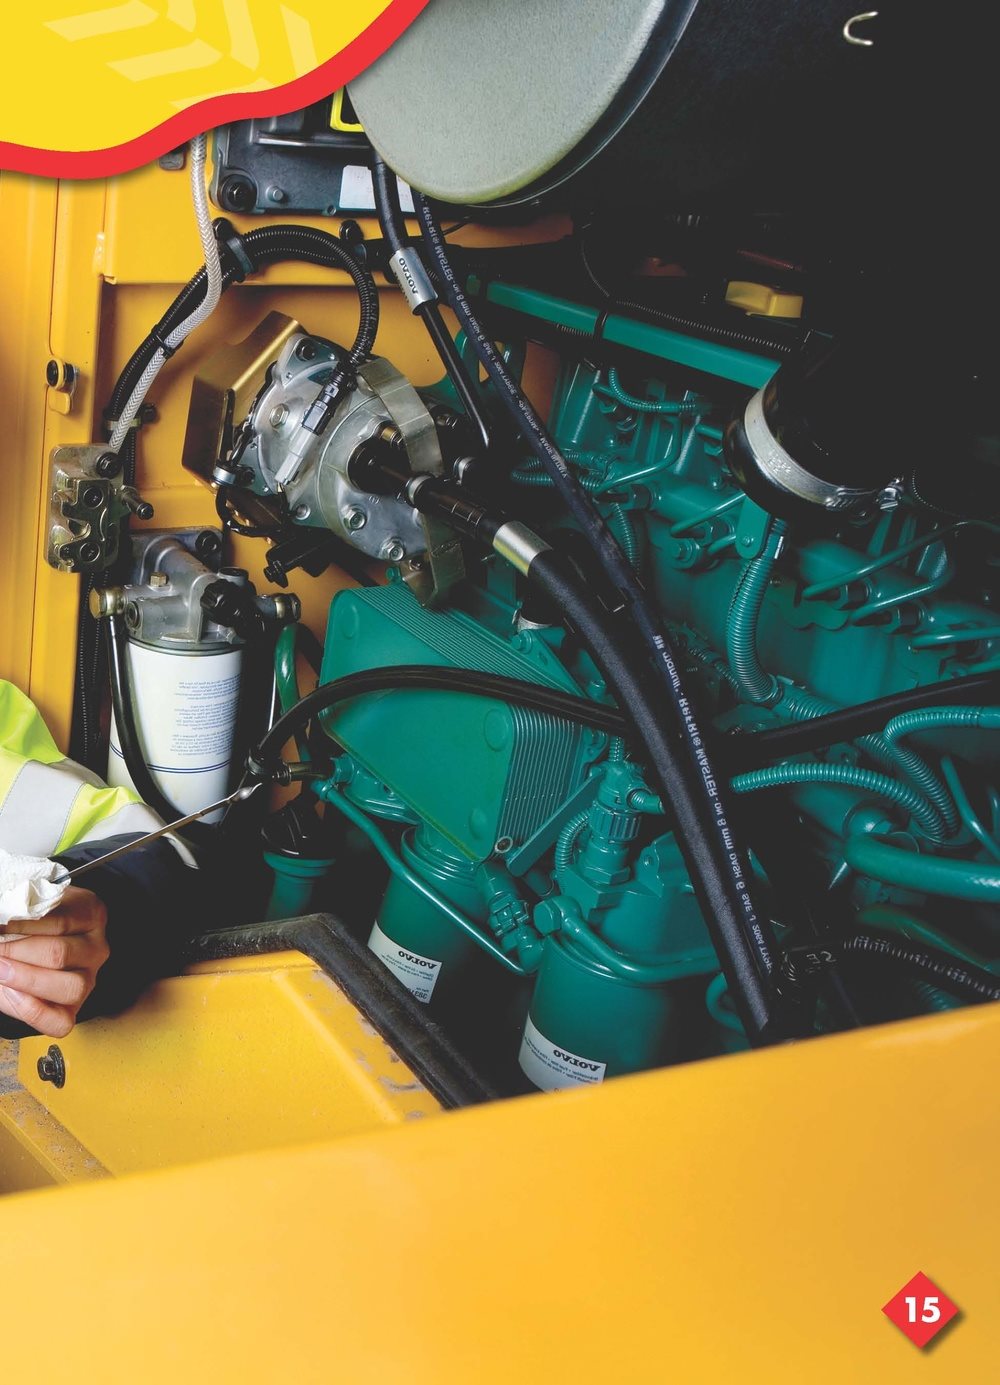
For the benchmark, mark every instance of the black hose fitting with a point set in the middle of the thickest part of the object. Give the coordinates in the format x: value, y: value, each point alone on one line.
x: 324, y: 406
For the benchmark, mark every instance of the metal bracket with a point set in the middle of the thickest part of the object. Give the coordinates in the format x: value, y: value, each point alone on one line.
x: 85, y: 511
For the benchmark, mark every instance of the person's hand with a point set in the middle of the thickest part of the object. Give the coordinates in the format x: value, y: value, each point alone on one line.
x: 47, y: 975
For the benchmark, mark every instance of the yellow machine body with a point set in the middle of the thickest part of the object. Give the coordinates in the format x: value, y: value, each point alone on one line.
x: 272, y: 1195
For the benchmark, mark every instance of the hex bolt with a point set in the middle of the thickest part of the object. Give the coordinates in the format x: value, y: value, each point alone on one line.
x: 393, y: 550
x: 52, y: 1066
x: 158, y: 580
x: 237, y: 193
x: 108, y: 464
x: 355, y: 518
x: 278, y: 414
x: 105, y: 601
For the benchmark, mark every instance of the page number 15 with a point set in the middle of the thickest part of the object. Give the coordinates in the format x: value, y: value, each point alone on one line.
x: 930, y: 1310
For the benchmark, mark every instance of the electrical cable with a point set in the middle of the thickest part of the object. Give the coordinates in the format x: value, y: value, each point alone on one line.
x: 679, y: 759
x: 390, y: 217
x: 761, y: 748
x: 433, y: 678
x: 261, y: 247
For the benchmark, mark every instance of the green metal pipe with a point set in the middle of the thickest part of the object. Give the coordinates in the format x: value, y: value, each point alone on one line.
x: 856, y: 574
x: 881, y: 860
x: 286, y: 678
x: 647, y: 971
x: 970, y: 635
x: 328, y: 792
x: 682, y: 526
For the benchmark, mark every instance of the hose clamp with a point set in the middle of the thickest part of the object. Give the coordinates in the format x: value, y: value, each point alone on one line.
x: 783, y: 471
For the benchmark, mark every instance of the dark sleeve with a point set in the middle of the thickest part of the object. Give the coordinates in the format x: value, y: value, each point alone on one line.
x: 156, y: 905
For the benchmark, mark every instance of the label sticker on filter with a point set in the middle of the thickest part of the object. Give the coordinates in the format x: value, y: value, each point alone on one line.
x: 551, y: 1067
x: 418, y: 974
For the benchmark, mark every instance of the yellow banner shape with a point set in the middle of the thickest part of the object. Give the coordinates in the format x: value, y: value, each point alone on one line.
x: 93, y: 89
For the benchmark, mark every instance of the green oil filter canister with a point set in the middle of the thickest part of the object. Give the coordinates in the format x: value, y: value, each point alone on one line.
x: 419, y: 944
x: 586, y: 1024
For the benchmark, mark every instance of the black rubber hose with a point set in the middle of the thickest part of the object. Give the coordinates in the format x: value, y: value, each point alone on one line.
x: 761, y: 748
x: 128, y: 736
x: 679, y: 758
x: 961, y: 978
x: 433, y: 678
x: 390, y: 217
x: 263, y: 246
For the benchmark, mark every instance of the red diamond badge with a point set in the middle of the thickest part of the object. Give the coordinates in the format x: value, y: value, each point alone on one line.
x: 920, y: 1310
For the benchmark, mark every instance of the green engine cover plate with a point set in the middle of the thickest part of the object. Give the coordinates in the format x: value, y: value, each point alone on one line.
x: 478, y: 770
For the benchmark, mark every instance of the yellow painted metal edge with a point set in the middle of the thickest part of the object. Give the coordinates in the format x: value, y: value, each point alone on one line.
x: 742, y: 1219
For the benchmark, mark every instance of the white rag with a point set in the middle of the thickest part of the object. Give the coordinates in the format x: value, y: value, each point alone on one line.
x: 30, y: 887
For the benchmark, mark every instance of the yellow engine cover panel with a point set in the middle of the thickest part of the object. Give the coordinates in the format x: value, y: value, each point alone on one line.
x: 238, y: 1055
x: 742, y: 1219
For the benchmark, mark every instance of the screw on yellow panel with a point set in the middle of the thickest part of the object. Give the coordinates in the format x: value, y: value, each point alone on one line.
x: 337, y: 119
x: 762, y: 300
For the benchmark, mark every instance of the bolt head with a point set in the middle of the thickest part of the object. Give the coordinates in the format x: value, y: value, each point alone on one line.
x: 278, y: 415
x: 158, y: 580
x: 394, y: 550
x: 108, y: 465
x: 208, y: 544
x: 355, y: 518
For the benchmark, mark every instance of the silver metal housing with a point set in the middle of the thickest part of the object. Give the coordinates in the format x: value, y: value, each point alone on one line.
x: 320, y: 494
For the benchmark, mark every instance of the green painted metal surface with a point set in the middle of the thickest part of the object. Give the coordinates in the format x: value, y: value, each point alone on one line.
x: 743, y: 367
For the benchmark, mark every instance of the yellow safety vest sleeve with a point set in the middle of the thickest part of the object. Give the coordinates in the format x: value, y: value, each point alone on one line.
x: 49, y: 803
